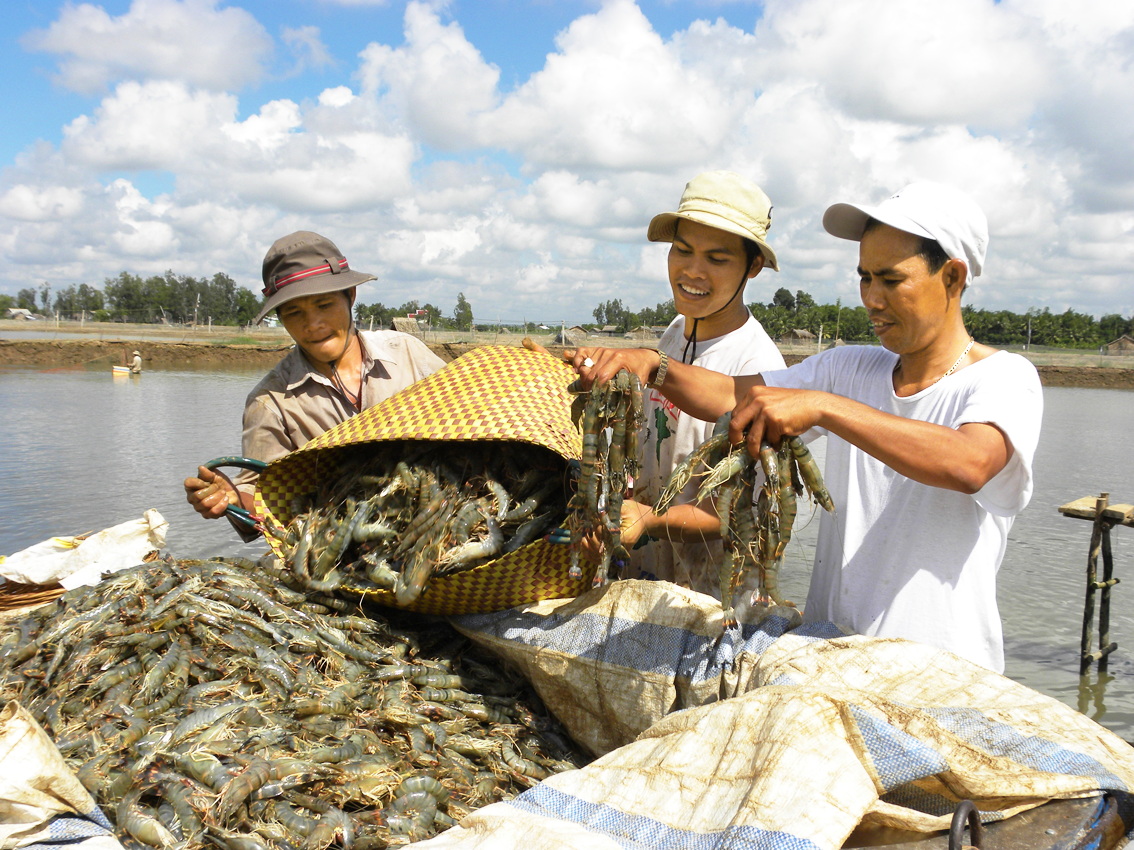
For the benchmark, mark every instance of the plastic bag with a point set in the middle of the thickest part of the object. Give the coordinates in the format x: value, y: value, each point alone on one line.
x: 73, y: 562
x: 39, y: 796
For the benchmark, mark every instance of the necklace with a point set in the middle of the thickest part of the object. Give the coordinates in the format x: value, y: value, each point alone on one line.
x: 957, y: 363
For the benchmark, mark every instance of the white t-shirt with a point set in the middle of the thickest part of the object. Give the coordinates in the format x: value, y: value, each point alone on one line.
x: 903, y: 559
x: 670, y: 435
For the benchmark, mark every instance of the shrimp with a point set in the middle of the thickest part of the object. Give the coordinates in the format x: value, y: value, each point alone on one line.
x: 809, y: 472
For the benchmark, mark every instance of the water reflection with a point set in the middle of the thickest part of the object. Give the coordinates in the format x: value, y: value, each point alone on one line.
x: 84, y: 450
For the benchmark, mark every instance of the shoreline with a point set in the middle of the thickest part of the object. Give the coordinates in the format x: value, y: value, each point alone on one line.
x: 98, y: 354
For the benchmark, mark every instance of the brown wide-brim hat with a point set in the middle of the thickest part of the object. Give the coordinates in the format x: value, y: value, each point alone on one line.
x: 723, y: 200
x: 305, y: 263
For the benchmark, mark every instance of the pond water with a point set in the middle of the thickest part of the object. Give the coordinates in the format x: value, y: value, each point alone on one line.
x: 83, y: 451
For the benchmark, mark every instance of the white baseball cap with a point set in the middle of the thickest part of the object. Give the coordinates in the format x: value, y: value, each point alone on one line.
x: 933, y: 210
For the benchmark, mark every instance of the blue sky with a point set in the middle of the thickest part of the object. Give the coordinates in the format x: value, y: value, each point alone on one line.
x: 515, y: 151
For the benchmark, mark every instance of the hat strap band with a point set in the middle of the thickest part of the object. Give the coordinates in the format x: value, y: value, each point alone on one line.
x: 332, y: 266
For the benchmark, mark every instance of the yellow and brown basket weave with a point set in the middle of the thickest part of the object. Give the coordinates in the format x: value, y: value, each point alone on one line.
x: 493, y: 393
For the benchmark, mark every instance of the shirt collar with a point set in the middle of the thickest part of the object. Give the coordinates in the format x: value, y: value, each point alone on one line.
x: 297, y: 370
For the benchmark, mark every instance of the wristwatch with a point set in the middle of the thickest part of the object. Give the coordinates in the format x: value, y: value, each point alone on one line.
x: 663, y: 367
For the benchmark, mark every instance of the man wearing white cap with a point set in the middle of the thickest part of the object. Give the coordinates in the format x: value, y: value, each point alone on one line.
x: 931, y: 436
x: 334, y: 371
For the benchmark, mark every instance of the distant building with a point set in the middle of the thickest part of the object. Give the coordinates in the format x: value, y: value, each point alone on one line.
x: 609, y: 330
x: 21, y: 314
x: 798, y: 335
x: 577, y: 331
x: 641, y: 333
x: 1124, y: 345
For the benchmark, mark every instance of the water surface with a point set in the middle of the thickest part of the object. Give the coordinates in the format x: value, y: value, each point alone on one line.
x: 84, y: 450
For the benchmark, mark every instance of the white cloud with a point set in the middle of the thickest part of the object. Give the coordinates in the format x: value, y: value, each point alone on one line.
x: 437, y: 83
x: 187, y: 40
x: 154, y: 125
x: 29, y: 203
x: 613, y: 96
x: 929, y: 62
x: 308, y: 48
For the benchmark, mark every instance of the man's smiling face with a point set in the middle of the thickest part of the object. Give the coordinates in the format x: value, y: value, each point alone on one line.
x: 706, y: 265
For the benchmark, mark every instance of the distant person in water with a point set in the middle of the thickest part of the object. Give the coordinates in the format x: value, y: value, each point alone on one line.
x: 334, y: 371
x: 136, y: 362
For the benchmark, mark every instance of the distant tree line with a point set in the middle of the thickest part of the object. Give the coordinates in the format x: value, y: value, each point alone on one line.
x: 179, y: 299
x: 176, y: 299
x: 787, y: 312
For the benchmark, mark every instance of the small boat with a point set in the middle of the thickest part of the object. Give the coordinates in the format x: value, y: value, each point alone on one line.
x: 120, y: 370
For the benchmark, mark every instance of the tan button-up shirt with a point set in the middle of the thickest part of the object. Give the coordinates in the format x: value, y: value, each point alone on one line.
x: 295, y: 403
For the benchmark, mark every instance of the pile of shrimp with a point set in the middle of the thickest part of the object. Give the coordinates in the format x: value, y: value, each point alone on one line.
x: 755, y: 536
x: 209, y: 703
x: 612, y: 420
x: 406, y: 511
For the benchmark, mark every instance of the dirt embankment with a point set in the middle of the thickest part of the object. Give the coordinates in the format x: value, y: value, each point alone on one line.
x: 101, y: 354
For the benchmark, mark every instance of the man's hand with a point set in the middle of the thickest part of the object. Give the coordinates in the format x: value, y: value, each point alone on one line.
x: 636, y: 518
x: 210, y: 493
x: 597, y: 365
x: 771, y: 413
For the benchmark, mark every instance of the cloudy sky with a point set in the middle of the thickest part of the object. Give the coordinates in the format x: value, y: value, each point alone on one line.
x: 515, y: 151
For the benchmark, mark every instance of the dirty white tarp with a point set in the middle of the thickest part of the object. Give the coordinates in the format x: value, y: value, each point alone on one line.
x: 75, y: 562
x: 792, y: 735
x: 42, y: 804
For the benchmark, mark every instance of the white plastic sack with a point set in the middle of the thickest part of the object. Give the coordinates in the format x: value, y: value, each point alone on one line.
x: 74, y: 563
x: 792, y: 736
x: 41, y: 800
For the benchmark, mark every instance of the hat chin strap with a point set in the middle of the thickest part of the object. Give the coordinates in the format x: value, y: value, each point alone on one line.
x: 352, y: 331
x: 692, y: 340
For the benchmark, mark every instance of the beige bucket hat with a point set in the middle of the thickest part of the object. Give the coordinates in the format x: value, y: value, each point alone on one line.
x: 305, y: 263
x: 726, y: 201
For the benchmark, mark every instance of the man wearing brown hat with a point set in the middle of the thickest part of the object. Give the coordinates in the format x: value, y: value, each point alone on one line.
x: 334, y: 371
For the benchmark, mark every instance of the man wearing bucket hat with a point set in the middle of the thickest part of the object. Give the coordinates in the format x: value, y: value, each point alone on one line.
x: 334, y: 371
x: 136, y: 362
x: 718, y: 242
x: 930, y: 436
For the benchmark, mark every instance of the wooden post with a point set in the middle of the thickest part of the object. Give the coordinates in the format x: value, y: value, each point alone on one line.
x: 1106, y: 647
x: 1103, y: 516
x: 1097, y: 533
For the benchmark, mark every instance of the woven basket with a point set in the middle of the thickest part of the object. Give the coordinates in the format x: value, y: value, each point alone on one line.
x: 491, y: 394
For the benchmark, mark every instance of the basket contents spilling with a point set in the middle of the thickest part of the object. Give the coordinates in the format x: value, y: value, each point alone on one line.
x: 207, y: 703
x: 402, y: 512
